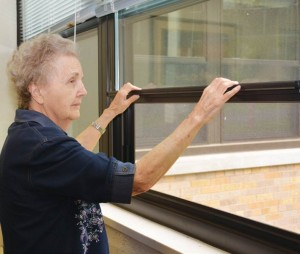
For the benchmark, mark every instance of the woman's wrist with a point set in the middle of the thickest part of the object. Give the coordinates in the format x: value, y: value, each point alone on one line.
x: 110, y: 113
x: 106, y: 117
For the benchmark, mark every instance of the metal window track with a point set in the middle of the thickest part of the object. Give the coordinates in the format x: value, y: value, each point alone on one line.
x: 274, y: 91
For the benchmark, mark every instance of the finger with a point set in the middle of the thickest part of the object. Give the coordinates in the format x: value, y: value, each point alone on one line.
x: 231, y: 85
x: 225, y: 85
x: 221, y: 85
x: 230, y: 93
x: 129, y: 87
x: 133, y: 98
x: 135, y: 87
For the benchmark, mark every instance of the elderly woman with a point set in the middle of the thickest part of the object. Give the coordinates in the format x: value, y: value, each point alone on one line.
x: 51, y: 184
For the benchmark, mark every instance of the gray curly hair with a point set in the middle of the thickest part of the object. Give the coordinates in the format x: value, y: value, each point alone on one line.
x: 31, y: 62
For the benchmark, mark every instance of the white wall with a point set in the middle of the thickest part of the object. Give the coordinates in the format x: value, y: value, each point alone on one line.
x: 8, y: 42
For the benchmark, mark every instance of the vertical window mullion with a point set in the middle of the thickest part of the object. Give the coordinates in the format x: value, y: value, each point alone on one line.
x: 106, y: 76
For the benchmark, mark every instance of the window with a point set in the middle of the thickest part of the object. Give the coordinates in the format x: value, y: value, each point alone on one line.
x: 188, y: 44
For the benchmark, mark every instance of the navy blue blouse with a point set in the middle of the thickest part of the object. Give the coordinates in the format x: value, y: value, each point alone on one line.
x: 51, y: 187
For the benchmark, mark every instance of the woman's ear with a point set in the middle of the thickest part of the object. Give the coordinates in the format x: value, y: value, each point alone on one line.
x: 35, y: 92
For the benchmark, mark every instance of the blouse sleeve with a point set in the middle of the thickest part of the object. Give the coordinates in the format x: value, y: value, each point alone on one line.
x: 63, y: 167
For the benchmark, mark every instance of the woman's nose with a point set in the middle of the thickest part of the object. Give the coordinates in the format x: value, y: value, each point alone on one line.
x: 82, y: 90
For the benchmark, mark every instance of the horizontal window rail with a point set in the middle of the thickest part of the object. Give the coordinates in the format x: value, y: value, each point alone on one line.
x: 277, y: 91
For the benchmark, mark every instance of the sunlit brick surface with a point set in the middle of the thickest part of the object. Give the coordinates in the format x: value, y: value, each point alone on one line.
x: 270, y: 194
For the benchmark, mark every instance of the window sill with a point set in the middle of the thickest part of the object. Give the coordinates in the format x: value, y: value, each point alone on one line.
x: 154, y: 235
x: 234, y: 160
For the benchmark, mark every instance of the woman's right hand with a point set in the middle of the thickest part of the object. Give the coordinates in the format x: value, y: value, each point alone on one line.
x: 213, y: 98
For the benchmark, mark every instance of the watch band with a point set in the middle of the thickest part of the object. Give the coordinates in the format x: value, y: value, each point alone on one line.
x: 98, y: 127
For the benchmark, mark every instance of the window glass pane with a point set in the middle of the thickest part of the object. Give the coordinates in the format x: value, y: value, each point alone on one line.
x: 168, y: 50
x: 265, y: 29
x: 248, y: 41
x: 259, y: 42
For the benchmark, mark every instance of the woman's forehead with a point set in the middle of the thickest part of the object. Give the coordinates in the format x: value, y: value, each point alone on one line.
x: 68, y: 65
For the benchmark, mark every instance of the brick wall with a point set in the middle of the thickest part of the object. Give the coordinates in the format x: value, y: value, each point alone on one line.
x: 270, y: 194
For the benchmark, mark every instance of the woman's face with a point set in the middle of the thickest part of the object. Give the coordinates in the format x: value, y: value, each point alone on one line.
x: 63, y: 93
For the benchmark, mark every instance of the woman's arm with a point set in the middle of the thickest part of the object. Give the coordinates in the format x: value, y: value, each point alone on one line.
x: 153, y: 165
x: 90, y: 136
